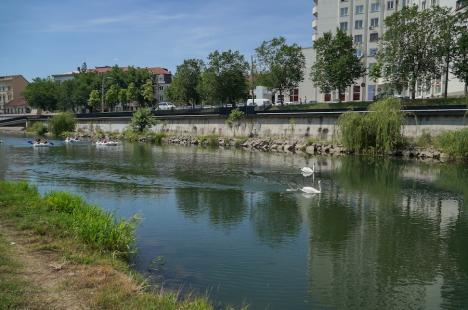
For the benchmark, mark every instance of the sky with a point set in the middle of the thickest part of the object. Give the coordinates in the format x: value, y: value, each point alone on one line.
x: 44, y: 37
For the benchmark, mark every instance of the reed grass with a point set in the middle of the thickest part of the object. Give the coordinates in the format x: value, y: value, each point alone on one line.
x: 209, y: 140
x: 454, y: 143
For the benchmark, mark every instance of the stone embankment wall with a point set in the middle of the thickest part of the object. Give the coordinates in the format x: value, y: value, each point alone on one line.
x: 299, y: 126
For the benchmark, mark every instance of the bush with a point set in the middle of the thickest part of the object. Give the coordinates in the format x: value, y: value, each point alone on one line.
x: 454, y: 143
x: 38, y: 128
x: 61, y: 123
x: 425, y: 140
x: 235, y: 117
x: 378, y: 131
x: 142, y: 119
x: 209, y: 140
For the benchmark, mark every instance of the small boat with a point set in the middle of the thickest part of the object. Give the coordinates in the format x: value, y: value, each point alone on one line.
x: 107, y: 143
x: 72, y: 140
x: 42, y: 144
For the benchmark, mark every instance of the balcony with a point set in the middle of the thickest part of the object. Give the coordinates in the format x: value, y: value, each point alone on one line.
x: 314, y: 24
x: 314, y: 37
x: 315, y: 11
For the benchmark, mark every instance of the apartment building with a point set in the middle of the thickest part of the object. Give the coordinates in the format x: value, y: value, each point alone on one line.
x: 364, y: 21
x: 11, y: 98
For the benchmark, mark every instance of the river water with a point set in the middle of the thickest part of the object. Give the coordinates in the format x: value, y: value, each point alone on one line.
x: 384, y: 234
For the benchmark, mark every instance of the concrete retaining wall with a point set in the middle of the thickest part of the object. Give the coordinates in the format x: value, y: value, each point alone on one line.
x: 322, y: 127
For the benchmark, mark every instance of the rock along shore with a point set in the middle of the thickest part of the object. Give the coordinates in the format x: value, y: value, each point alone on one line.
x: 299, y: 147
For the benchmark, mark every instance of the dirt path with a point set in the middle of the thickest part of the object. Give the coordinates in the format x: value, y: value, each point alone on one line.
x: 43, y: 271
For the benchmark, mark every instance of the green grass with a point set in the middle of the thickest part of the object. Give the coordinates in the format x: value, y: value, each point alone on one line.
x: 13, y: 289
x: 65, y: 215
x: 70, y: 230
x: 148, y: 136
x: 209, y: 140
x: 454, y: 143
x: 365, y: 104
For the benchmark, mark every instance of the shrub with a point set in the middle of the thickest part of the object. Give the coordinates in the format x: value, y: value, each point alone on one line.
x: 454, y: 143
x: 425, y: 140
x: 142, y: 119
x: 38, y: 128
x: 378, y: 131
x: 61, y: 123
x: 209, y: 140
x: 235, y: 117
x: 155, y: 137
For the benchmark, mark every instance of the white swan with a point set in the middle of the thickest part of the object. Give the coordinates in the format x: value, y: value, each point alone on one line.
x: 311, y: 190
x: 306, y: 171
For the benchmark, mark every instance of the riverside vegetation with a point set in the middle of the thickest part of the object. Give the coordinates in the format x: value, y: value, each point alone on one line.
x: 378, y: 132
x: 80, y: 251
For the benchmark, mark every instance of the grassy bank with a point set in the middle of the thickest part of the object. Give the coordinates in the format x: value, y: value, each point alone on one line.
x: 364, y: 104
x: 60, y: 229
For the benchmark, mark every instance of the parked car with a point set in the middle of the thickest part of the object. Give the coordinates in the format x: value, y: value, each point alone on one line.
x: 261, y: 103
x: 164, y: 106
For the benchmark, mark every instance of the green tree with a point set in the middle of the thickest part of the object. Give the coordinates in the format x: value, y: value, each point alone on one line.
x: 410, y: 50
x: 224, y: 80
x: 123, y: 97
x: 147, y: 91
x: 282, y: 65
x: 142, y: 119
x: 138, y: 77
x: 132, y: 92
x: 112, y: 96
x: 65, y: 99
x: 94, y: 99
x: 337, y: 65
x: 42, y: 94
x: 185, y: 85
x: 460, y: 55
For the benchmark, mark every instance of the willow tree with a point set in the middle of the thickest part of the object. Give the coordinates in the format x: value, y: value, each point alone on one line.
x: 337, y: 66
x: 281, y: 65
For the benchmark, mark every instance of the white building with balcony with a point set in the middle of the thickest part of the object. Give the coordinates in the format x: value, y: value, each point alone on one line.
x: 364, y: 21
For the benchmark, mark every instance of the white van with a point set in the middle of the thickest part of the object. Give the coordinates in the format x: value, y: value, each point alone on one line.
x: 264, y: 103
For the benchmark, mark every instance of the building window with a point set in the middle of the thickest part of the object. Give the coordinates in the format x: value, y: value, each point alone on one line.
x: 343, y: 12
x: 374, y: 22
x: 371, y: 92
x: 372, y: 52
x: 356, y: 93
x: 423, y: 5
x: 359, y: 9
x: 358, y: 24
x: 375, y: 7
x: 344, y: 26
x: 358, y: 39
x: 374, y: 37
x: 359, y: 53
x: 390, y: 5
x: 327, y: 97
x: 294, y: 96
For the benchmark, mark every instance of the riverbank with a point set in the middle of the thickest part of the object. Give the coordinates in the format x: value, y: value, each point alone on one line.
x: 57, y: 252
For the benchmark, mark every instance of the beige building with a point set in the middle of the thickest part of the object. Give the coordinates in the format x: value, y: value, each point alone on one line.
x: 11, y: 94
x: 364, y: 21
